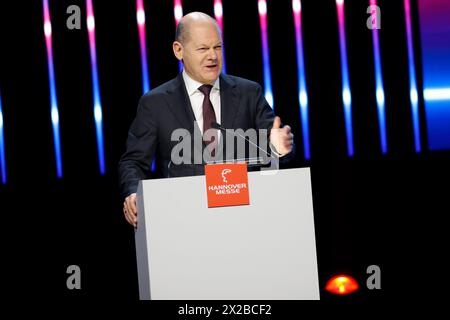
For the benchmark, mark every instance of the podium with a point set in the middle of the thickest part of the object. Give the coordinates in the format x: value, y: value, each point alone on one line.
x: 262, y: 251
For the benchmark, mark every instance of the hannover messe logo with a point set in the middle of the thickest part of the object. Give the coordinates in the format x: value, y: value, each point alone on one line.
x: 227, y: 184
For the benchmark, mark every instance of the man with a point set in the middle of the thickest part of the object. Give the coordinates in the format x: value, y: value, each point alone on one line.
x: 202, y: 94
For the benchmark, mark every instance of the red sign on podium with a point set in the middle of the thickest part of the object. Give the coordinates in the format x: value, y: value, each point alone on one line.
x: 227, y: 184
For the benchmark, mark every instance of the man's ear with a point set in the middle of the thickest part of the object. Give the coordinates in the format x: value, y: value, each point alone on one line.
x: 177, y: 50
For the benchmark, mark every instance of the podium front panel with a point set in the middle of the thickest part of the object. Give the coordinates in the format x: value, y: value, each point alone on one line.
x: 262, y: 251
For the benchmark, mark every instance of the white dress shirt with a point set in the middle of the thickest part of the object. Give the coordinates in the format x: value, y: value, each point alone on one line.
x: 196, y: 98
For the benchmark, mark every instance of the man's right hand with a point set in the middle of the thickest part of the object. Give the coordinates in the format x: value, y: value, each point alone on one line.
x: 130, y: 209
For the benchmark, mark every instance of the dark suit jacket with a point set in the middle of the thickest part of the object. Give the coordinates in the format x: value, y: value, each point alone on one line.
x: 167, y: 108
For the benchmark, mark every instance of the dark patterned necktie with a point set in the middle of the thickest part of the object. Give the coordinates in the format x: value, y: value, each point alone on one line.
x: 209, y: 116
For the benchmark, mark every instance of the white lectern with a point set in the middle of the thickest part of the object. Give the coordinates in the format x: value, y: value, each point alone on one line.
x: 262, y: 251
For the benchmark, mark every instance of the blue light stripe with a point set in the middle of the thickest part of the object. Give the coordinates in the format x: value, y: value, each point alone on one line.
x: 2, y: 145
x: 346, y: 93
x: 412, y: 77
x: 379, y: 87
x: 54, y: 112
x: 302, y: 92
x: 98, y: 114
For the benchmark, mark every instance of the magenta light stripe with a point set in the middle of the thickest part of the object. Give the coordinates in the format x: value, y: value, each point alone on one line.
x: 218, y: 14
x: 178, y: 14
x: 140, y: 16
x: 262, y: 10
x: 346, y: 92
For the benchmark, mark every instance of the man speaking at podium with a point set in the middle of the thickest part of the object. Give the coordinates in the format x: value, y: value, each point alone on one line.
x: 196, y: 99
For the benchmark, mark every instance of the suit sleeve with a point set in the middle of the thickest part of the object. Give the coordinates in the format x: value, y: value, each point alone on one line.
x: 135, y: 163
x: 264, y: 113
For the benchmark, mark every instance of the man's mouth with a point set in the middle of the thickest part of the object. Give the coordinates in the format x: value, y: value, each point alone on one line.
x: 211, y: 66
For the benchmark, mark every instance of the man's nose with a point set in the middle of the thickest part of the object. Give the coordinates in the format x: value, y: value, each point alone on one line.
x: 212, y: 54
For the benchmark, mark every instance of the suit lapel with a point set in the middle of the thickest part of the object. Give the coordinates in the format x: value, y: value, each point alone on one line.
x: 180, y: 105
x: 229, y: 101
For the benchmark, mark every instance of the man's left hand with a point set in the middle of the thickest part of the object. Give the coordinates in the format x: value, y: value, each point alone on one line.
x: 281, y: 138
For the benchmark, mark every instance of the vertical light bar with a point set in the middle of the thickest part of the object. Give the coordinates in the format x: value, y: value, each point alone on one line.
x: 218, y: 14
x: 262, y: 10
x: 140, y: 16
x: 178, y: 14
x: 51, y: 78
x: 379, y: 87
x: 413, y: 96
x: 436, y: 94
x: 435, y: 52
x: 98, y: 114
x: 302, y: 93
x: 346, y: 93
x: 2, y: 145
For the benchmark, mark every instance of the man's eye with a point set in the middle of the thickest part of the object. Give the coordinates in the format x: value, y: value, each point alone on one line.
x: 218, y: 47
x: 203, y: 49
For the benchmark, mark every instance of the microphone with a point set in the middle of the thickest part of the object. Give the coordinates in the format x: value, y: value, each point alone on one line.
x: 168, y: 168
x: 217, y: 126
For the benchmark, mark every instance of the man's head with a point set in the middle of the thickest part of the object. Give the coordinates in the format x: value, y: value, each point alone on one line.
x: 198, y: 43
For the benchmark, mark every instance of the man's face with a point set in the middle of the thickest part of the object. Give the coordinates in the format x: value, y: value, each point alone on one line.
x: 202, y: 52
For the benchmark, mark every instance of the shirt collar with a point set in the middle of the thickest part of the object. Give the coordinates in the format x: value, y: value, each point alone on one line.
x: 193, y: 85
